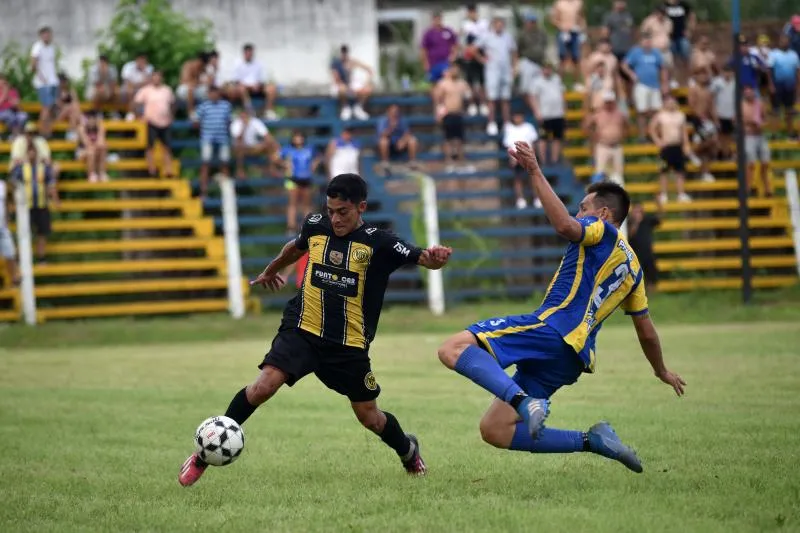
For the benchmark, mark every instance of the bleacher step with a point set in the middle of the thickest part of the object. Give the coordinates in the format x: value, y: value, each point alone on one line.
x: 94, y: 288
x: 9, y: 316
x: 118, y: 267
x: 121, y: 185
x: 137, y: 245
x: 139, y: 308
x: 718, y: 245
x: 727, y: 204
x: 191, y: 207
x: 698, y: 224
x: 202, y: 226
x: 759, y: 282
x: 722, y: 263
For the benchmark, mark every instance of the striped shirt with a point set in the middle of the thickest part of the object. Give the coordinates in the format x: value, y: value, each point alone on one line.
x: 214, y: 120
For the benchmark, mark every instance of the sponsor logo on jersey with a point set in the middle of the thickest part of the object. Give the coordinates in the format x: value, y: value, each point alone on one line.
x: 370, y: 231
x: 399, y: 248
x: 313, y: 219
x: 336, y: 257
x: 336, y: 280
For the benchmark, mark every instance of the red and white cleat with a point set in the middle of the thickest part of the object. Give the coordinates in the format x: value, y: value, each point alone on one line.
x: 191, y: 470
x: 414, y: 465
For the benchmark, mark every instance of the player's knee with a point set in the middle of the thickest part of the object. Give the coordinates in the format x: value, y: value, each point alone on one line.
x: 491, y: 432
x: 267, y: 384
x: 371, y: 418
x: 450, y: 351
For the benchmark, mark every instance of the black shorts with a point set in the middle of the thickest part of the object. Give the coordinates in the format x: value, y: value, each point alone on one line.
x: 726, y: 126
x: 394, y: 151
x: 673, y: 158
x: 620, y: 59
x: 303, y: 183
x: 555, y: 128
x: 40, y: 221
x: 154, y: 133
x: 344, y: 369
x: 453, y: 126
x: 473, y: 72
x: 784, y: 97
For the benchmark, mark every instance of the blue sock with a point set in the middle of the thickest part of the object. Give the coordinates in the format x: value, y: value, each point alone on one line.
x: 483, y: 369
x: 549, y: 441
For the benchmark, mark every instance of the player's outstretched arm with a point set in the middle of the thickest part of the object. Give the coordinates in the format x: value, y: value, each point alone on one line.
x: 555, y: 210
x: 270, y: 277
x: 651, y: 346
x: 435, y: 257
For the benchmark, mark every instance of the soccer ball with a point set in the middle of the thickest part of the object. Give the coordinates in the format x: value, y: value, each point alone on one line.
x: 219, y: 440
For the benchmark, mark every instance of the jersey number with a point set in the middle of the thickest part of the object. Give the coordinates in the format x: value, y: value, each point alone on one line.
x: 621, y: 272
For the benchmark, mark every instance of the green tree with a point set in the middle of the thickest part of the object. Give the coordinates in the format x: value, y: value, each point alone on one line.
x: 153, y: 27
x: 15, y: 64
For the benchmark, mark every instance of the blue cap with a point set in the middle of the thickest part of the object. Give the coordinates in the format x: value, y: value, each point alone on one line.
x: 531, y: 17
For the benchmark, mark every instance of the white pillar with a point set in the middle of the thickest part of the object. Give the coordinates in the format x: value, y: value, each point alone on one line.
x: 233, y: 257
x: 25, y: 247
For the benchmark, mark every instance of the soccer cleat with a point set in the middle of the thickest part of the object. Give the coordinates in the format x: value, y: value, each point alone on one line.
x: 604, y: 441
x: 191, y: 470
x: 414, y: 464
x: 534, y: 411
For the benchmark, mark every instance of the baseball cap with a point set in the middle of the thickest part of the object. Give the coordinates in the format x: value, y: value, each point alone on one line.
x: 609, y: 96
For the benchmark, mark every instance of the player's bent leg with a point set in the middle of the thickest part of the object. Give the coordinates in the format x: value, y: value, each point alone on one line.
x: 386, y: 426
x: 498, y: 424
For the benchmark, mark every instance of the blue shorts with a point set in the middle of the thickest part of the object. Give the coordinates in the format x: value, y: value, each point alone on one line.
x: 569, y: 46
x: 544, y: 361
x: 47, y: 95
x: 437, y: 71
x: 681, y: 47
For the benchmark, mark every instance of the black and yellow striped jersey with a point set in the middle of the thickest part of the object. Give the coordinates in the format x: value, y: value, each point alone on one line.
x: 345, y: 280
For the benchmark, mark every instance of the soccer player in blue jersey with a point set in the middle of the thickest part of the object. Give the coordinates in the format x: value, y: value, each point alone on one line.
x: 552, y: 346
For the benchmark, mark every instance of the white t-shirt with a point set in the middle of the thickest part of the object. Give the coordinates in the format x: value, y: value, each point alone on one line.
x: 476, y: 28
x: 344, y: 159
x: 249, y: 73
x: 132, y: 74
x: 3, y: 221
x: 46, y: 71
x: 550, y: 92
x: 513, y: 133
x: 256, y: 130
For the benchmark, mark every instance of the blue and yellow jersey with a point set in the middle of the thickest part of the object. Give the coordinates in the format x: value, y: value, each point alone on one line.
x: 597, y: 274
x: 35, y: 178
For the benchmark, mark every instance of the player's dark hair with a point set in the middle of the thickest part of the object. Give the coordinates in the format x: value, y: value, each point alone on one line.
x: 45, y: 29
x: 348, y: 187
x: 247, y: 47
x: 612, y: 196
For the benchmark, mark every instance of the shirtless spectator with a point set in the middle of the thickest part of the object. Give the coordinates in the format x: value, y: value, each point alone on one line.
x: 724, y: 90
x: 645, y: 67
x: 532, y: 50
x: 703, y: 116
x: 352, y: 79
x: 610, y: 78
x: 450, y: 93
x: 250, y: 81
x: 668, y: 131
x: 755, y: 143
x: 157, y: 101
x: 568, y: 18
x: 192, y: 90
x: 472, y: 31
x: 608, y: 127
x: 92, y: 147
x: 520, y: 131
x: 549, y: 108
x: 659, y: 27
x: 704, y: 58
x: 596, y: 90
x: 10, y: 113
x: 135, y: 75
x: 251, y: 138
x: 102, y: 86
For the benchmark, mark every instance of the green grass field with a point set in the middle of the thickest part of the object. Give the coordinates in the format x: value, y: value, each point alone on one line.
x: 97, y: 433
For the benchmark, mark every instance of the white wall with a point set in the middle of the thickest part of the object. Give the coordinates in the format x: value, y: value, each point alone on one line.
x: 293, y: 38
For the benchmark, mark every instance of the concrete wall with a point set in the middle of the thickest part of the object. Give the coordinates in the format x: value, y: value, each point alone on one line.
x: 294, y: 39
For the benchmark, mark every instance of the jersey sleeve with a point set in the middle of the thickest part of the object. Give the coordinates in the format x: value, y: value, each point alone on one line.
x: 636, y: 302
x: 309, y: 228
x: 593, y: 230
x: 397, y: 252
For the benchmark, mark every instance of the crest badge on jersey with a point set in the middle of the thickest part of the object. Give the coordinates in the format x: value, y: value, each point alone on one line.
x: 370, y: 382
x: 313, y: 219
x: 360, y: 256
x: 336, y: 257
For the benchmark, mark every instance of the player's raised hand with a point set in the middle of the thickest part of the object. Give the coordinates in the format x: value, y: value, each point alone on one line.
x: 435, y: 257
x: 273, y: 282
x: 524, y: 155
x: 673, y: 380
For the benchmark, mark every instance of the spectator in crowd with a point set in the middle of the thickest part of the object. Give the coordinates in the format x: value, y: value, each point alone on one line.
x: 532, y: 49
x: 439, y: 48
x: 395, y: 138
x: 19, y: 148
x: 7, y: 251
x: 644, y: 65
x: 68, y: 106
x: 192, y: 88
x: 300, y: 163
x: 641, y: 227
x: 214, y: 117
x: 500, y: 51
x: 704, y: 58
x: 786, y: 72
x: 610, y: 78
x: 157, y: 101
x: 251, y: 138
x: 352, y: 79
x: 608, y: 128
x: 135, y: 75
x: 92, y: 147
x: 762, y: 50
x: 40, y: 189
x: 520, y: 131
x: 659, y: 26
x: 724, y: 90
x: 10, y: 113
x: 343, y: 154
x: 549, y: 108
x: 250, y: 81
x: 450, y: 94
x: 45, y: 77
x: 212, y: 77
x: 755, y: 143
x: 618, y: 28
x: 668, y: 131
x: 752, y: 67
x: 102, y: 85
x: 568, y: 18
x: 596, y: 89
x: 703, y: 117
x: 472, y: 31
x: 683, y: 20
x: 792, y: 30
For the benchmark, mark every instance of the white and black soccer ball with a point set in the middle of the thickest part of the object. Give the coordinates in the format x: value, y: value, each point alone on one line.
x: 219, y: 440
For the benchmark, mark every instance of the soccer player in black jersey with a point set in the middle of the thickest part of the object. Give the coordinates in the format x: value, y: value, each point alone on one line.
x: 328, y: 327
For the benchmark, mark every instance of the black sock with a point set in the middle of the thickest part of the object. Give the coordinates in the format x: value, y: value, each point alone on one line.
x: 240, y: 409
x: 394, y: 437
x: 587, y: 447
x: 517, y: 399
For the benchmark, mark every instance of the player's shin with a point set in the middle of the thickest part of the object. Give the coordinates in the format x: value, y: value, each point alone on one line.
x: 549, y: 440
x: 479, y: 366
x: 240, y: 408
x: 394, y: 436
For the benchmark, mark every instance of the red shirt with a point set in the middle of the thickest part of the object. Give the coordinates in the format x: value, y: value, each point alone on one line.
x: 11, y: 96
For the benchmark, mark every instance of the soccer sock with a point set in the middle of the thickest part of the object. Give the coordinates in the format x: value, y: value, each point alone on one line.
x: 395, y: 438
x: 550, y: 440
x: 240, y: 409
x: 479, y: 366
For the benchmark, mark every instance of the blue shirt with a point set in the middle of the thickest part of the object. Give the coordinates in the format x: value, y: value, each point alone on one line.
x: 300, y: 161
x: 400, y: 129
x: 214, y: 121
x: 646, y: 65
x: 338, y: 65
x: 751, y: 66
x: 784, y: 66
x: 598, y: 274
